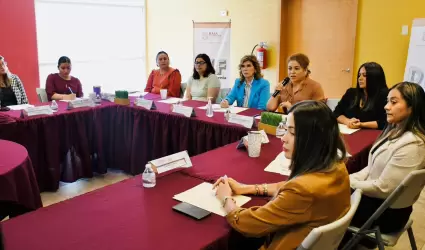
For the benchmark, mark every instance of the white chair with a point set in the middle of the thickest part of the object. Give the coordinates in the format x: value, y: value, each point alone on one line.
x: 183, y: 89
x: 329, y: 236
x: 42, y: 95
x: 332, y: 103
x: 406, y: 193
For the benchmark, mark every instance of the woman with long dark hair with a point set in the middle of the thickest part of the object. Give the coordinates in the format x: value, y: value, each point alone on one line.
x: 363, y: 106
x: 316, y: 193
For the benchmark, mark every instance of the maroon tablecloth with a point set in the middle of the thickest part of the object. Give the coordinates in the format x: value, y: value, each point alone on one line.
x: 237, y: 164
x: 67, y: 145
x: 121, y: 216
x: 19, y: 191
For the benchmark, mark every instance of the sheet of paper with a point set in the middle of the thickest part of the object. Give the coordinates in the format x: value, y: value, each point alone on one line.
x: 70, y: 100
x: 217, y: 108
x: 279, y: 165
x: 20, y: 107
x: 137, y: 94
x: 203, y: 196
x: 345, y: 130
x: 172, y: 100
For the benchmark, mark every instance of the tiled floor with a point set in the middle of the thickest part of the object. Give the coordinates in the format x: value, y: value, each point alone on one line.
x: 70, y: 190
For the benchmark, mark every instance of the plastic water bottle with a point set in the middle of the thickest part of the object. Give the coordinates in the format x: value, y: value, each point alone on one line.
x: 280, y: 130
x: 98, y: 99
x: 148, y: 176
x: 54, y: 105
x: 210, y: 112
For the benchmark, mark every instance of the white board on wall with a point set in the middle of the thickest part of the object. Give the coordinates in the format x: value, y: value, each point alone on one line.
x: 415, y: 65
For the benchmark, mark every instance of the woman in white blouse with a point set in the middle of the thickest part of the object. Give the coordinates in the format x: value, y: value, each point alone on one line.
x: 398, y: 151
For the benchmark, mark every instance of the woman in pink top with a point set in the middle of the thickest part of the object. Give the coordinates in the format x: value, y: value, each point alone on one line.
x: 164, y: 78
x: 63, y: 86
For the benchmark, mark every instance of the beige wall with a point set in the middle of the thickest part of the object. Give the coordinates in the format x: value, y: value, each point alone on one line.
x: 170, y: 28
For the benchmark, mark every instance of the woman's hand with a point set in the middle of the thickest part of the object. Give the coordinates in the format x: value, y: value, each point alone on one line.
x: 69, y: 97
x: 286, y: 105
x: 279, y: 87
x: 353, y: 123
x: 235, y: 187
x: 224, y: 104
x: 223, y: 189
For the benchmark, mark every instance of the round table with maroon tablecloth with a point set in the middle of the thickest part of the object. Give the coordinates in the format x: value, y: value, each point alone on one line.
x: 19, y: 191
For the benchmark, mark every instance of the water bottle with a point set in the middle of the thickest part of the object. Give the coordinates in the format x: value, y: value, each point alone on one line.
x: 148, y: 176
x: 54, y: 105
x: 280, y: 130
x: 210, y: 112
x: 98, y: 99
x: 227, y: 114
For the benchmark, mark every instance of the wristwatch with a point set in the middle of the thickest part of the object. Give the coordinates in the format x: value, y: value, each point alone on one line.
x: 228, y: 197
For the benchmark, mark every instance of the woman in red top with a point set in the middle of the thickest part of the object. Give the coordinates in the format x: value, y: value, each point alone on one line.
x: 164, y: 78
x: 63, y: 86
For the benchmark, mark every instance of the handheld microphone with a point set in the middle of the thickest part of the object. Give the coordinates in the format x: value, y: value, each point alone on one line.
x: 284, y: 83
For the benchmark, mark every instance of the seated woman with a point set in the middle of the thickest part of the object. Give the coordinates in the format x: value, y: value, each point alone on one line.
x: 12, y: 90
x: 398, y: 151
x: 203, y: 83
x: 363, y: 106
x: 63, y: 86
x: 164, y: 78
x: 251, y: 90
x: 318, y: 178
x: 301, y: 87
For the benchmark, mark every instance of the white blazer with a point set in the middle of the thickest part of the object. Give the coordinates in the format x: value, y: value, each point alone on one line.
x: 389, y: 165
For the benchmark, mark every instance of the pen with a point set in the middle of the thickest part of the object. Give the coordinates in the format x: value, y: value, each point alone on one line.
x: 70, y: 90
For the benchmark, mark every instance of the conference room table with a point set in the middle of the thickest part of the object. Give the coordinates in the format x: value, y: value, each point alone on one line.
x: 18, y: 187
x: 73, y: 144
x: 128, y: 216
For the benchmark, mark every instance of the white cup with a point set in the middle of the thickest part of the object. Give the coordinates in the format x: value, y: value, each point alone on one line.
x: 163, y: 94
x: 254, y: 143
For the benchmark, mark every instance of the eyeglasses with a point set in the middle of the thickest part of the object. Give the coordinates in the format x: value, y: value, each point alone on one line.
x: 200, y: 63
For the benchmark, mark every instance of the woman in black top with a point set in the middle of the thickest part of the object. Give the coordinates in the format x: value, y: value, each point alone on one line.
x: 363, y: 106
x: 12, y: 90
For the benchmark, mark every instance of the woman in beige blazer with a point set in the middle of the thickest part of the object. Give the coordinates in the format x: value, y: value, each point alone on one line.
x: 318, y: 178
x: 398, y: 151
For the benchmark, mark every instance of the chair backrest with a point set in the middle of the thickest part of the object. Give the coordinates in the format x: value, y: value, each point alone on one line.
x: 183, y: 89
x: 406, y: 193
x: 42, y: 95
x: 223, y: 93
x: 332, y: 103
x: 329, y: 236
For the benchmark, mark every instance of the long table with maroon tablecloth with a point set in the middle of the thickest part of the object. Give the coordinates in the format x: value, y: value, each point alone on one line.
x: 73, y: 144
x: 127, y: 216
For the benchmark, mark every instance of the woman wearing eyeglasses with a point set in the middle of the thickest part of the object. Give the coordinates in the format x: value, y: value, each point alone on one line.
x: 203, y: 83
x: 12, y: 90
x: 164, y: 78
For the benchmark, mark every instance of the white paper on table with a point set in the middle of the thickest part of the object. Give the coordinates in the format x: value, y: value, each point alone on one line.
x: 70, y: 100
x: 137, y: 94
x: 20, y: 107
x: 203, y: 196
x: 172, y: 100
x: 345, y: 130
x: 279, y: 165
x: 218, y: 108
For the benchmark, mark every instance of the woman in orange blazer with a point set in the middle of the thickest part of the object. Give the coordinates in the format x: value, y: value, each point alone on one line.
x: 164, y: 78
x: 316, y: 193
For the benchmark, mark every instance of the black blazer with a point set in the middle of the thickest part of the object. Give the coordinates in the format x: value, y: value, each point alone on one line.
x: 377, y: 113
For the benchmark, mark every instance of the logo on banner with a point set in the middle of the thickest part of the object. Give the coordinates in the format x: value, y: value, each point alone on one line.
x: 221, y: 66
x: 416, y: 75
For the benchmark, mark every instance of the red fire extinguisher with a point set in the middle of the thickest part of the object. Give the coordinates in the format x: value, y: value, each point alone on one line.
x: 262, y: 56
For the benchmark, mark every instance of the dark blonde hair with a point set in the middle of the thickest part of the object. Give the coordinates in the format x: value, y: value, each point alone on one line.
x: 6, y: 80
x: 254, y: 61
x: 414, y: 96
x: 302, y: 59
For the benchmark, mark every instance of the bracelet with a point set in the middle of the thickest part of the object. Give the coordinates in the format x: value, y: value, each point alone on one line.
x: 257, y: 190
x: 228, y: 197
x: 265, y: 191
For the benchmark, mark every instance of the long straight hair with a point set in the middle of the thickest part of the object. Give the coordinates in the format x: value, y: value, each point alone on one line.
x: 414, y: 96
x: 318, y: 143
x: 375, y: 84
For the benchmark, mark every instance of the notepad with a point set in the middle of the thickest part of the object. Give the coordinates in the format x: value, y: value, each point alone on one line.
x: 203, y: 196
x: 279, y: 165
x: 172, y: 100
x: 20, y: 107
x: 345, y: 130
x: 217, y: 108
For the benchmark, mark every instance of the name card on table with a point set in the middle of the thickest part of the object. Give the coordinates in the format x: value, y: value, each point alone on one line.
x: 147, y: 104
x: 167, y: 163
x: 40, y: 110
x: 246, y: 121
x: 80, y: 103
x: 186, y: 111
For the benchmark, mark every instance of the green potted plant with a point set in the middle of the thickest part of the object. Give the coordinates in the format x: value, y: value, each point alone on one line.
x: 269, y: 122
x: 121, y: 97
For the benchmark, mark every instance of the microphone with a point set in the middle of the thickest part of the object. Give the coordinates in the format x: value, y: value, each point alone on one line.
x: 284, y: 83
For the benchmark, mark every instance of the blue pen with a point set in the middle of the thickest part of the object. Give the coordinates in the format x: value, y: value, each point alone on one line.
x: 70, y: 90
